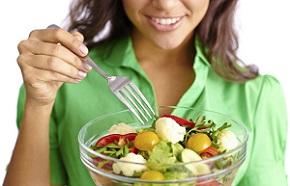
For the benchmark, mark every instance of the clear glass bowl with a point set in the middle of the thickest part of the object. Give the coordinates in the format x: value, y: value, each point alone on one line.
x: 221, y: 168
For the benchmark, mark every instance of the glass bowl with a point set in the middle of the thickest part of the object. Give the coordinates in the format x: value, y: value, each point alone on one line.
x: 221, y: 169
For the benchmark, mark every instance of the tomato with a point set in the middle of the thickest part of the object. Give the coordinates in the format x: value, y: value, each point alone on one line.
x: 103, y: 163
x: 209, y: 152
x: 182, y: 122
x: 198, y: 142
x: 115, y: 138
x: 152, y: 175
x: 133, y: 149
x: 146, y: 140
x: 105, y: 140
x: 129, y: 136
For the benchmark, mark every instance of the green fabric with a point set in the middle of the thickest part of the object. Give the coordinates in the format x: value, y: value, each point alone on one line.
x: 258, y: 103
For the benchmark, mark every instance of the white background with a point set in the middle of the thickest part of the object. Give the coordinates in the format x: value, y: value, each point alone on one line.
x: 264, y: 40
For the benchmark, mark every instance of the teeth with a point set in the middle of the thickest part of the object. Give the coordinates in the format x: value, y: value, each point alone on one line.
x: 166, y: 21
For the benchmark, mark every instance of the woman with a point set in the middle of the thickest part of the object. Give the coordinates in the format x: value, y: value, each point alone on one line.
x: 179, y: 52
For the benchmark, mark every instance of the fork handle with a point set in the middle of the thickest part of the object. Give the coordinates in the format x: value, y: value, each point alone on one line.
x: 89, y: 61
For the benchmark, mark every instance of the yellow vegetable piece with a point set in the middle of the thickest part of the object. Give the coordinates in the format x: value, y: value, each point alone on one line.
x: 152, y: 175
x: 146, y: 140
x: 198, y: 142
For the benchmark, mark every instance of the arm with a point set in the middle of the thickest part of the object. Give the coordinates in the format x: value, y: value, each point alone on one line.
x: 266, y: 166
x: 45, y: 65
x: 30, y: 160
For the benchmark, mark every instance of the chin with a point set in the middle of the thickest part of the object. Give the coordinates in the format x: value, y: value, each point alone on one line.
x: 167, y: 44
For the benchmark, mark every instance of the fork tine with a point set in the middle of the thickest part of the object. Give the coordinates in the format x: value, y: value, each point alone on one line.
x: 139, y: 99
x: 144, y: 100
x: 131, y: 98
x: 121, y: 95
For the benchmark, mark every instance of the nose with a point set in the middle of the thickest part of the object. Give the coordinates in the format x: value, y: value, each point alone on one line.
x: 164, y: 4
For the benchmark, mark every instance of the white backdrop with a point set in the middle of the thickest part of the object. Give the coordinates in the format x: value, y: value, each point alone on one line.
x: 264, y: 40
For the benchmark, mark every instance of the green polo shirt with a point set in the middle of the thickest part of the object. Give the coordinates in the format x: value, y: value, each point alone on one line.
x: 259, y: 104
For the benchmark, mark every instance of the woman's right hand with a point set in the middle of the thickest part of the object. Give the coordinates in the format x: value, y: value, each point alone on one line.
x: 47, y: 59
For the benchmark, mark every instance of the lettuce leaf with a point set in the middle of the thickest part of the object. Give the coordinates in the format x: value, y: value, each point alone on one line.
x: 161, y: 156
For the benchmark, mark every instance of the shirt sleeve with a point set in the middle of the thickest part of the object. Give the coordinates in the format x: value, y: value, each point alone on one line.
x: 57, y: 171
x: 267, y: 163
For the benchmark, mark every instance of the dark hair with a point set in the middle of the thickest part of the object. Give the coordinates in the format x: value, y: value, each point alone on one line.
x: 216, y: 32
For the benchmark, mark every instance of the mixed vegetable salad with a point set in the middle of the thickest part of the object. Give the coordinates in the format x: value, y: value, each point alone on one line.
x: 156, y: 150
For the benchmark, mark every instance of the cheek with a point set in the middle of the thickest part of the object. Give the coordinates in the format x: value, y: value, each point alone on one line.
x: 132, y: 9
x: 198, y: 9
x: 128, y: 6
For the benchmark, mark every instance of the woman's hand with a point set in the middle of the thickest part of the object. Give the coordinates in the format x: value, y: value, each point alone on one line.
x: 47, y: 59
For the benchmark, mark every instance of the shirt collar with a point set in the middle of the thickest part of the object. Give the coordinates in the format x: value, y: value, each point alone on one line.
x: 200, y: 50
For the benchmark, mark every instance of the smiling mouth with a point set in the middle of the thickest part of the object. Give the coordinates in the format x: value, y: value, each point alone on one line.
x: 166, y: 21
x: 165, y: 24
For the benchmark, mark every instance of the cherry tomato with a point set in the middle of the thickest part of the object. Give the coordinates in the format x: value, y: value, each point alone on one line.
x: 152, y: 175
x: 198, y: 142
x: 146, y: 140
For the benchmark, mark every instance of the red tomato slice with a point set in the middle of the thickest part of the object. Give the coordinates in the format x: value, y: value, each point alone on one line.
x: 209, y: 152
x: 134, y: 150
x: 180, y: 121
x: 105, y: 140
x: 209, y: 183
x: 107, y: 165
x: 129, y: 136
x: 115, y: 138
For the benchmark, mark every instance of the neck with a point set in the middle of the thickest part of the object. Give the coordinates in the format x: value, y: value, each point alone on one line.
x: 147, y: 52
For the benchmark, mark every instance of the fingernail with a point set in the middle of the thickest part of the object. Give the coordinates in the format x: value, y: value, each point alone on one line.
x: 79, y: 38
x: 77, y: 81
x: 82, y: 74
x: 84, y: 50
x: 87, y: 66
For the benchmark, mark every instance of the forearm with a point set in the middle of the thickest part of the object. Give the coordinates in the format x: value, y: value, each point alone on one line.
x: 30, y: 160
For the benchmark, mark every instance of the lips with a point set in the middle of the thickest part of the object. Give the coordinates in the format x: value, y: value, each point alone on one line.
x: 165, y: 23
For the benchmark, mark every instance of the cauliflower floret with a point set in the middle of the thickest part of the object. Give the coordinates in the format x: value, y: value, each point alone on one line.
x: 121, y: 128
x: 128, y: 169
x: 167, y: 129
x: 227, y: 140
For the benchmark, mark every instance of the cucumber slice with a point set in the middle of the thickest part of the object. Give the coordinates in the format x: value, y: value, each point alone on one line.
x: 202, y: 169
x: 188, y: 155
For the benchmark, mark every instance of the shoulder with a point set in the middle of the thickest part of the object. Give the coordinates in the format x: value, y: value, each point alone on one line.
x: 271, y: 95
x: 264, y: 81
x: 264, y: 89
x: 265, y: 85
x: 262, y: 94
x: 262, y: 85
x: 270, y: 104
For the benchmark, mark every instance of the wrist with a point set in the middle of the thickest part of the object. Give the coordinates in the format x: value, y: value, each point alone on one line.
x: 32, y: 106
x: 36, y: 116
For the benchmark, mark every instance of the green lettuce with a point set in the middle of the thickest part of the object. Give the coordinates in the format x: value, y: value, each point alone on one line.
x: 161, y: 157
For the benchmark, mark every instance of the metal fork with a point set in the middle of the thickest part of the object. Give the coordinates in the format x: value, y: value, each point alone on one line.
x: 127, y: 92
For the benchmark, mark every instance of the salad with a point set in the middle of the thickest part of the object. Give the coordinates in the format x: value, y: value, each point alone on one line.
x: 169, y: 141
